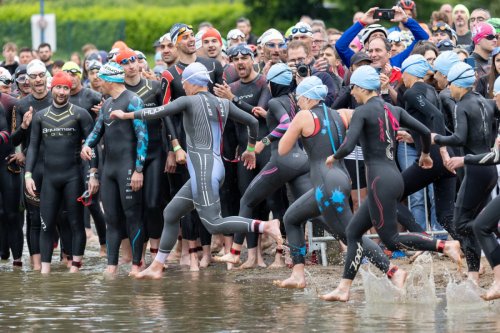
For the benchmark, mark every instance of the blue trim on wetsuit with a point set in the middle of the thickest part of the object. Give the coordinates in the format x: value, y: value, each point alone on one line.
x: 133, y: 247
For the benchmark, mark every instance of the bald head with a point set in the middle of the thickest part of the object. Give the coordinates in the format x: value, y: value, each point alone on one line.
x: 448, y: 9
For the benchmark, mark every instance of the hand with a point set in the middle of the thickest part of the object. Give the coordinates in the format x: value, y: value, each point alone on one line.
x: 120, y: 114
x: 136, y: 182
x: 299, y: 78
x: 399, y: 15
x: 454, y: 162
x: 93, y: 185
x: 97, y: 108
x: 293, y: 67
x: 249, y: 158
x: 27, y: 118
x: 259, y: 146
x: 181, y: 156
x: 404, y: 136
x: 170, y: 165
x: 432, y: 138
x: 86, y: 153
x: 258, y: 111
x: 384, y: 82
x: 236, y: 156
x: 267, y: 67
x: 446, y: 158
x: 425, y: 161
x: 329, y: 161
x: 387, y: 70
x: 18, y: 158
x: 148, y: 75
x: 368, y: 17
x: 321, y: 65
x: 30, y: 186
x: 497, y: 142
x: 223, y: 91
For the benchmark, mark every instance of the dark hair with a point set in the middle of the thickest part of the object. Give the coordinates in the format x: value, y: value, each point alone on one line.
x: 493, y: 75
x: 388, y: 45
x: 439, y: 16
x: 25, y: 49
x: 44, y: 45
x: 328, y: 45
x: 58, y: 64
x: 424, y: 46
x: 243, y: 20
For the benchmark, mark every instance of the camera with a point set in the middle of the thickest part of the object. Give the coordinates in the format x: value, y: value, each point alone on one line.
x: 302, y: 69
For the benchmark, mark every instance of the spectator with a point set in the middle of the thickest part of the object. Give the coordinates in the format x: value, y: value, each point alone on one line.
x: 410, y: 10
x: 485, y: 83
x: 448, y: 10
x: 76, y: 58
x: 204, y: 25
x: 495, y: 23
x: 45, y: 53
x: 379, y: 51
x: 318, y: 24
x: 397, y: 43
x: 305, y: 19
x: 56, y: 67
x: 158, y: 59
x: 462, y: 53
x: 88, y: 47
x: 333, y: 38
x: 25, y: 55
x: 157, y: 46
x: 329, y: 53
x: 355, y: 45
x: 437, y: 17
x: 460, y: 19
x: 9, y: 53
x: 485, y: 40
x: 357, y: 17
x: 235, y: 37
x: 478, y: 15
x: 243, y: 25
x: 442, y: 31
x: 445, y: 45
x: 319, y: 39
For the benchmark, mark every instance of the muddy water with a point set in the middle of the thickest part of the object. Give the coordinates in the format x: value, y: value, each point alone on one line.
x: 208, y: 301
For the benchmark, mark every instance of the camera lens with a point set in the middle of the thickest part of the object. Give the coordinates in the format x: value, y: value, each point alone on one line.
x: 302, y: 69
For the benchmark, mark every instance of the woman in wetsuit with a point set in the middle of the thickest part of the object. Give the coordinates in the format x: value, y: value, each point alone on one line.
x: 375, y: 123
x: 473, y: 116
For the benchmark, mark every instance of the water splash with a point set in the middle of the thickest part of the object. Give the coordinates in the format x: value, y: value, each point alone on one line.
x: 462, y: 293
x: 419, y: 286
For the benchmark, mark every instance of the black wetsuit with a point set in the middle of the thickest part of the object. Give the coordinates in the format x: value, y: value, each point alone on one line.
x: 376, y: 123
x: 230, y: 74
x: 473, y: 117
x: 125, y: 149
x: 61, y: 130
x: 151, y: 94
x: 252, y: 94
x: 86, y: 99
x: 22, y: 137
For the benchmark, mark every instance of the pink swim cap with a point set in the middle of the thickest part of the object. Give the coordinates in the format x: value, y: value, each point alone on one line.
x: 481, y: 30
x: 356, y: 42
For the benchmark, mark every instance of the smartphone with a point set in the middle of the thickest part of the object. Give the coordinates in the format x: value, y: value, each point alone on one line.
x: 384, y: 14
x: 471, y: 62
x: 378, y: 70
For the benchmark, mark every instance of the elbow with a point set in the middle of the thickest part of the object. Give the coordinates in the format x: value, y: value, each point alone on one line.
x: 282, y: 150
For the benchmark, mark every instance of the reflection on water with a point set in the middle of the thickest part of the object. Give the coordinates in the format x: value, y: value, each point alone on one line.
x: 208, y: 301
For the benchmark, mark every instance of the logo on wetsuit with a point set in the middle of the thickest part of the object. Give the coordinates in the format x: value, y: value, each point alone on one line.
x: 53, y: 131
x: 359, y: 255
x: 43, y: 224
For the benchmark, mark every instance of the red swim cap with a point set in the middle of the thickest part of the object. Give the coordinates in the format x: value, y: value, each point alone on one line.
x: 212, y: 32
x: 119, y: 44
x: 124, y: 53
x: 61, y: 79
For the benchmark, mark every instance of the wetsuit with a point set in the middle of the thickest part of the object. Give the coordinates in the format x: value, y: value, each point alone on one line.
x: 376, y: 123
x: 252, y: 94
x: 230, y: 74
x: 10, y: 186
x: 125, y: 151
x: 61, y: 130
x: 172, y: 89
x: 330, y: 192
x: 473, y: 117
x: 151, y: 94
x: 204, y: 118
x: 22, y: 137
x: 86, y: 99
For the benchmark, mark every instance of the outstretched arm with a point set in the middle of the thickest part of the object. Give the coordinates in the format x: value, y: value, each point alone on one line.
x: 293, y: 133
x: 461, y: 129
x: 95, y: 136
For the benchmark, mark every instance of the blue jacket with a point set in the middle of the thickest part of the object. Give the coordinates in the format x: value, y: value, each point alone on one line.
x: 327, y: 81
x: 346, y: 53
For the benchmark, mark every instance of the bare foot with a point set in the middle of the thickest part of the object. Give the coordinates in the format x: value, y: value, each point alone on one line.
x: 174, y: 256
x: 70, y: 264
x: 474, y: 276
x: 230, y: 258
x: 74, y: 269
x: 452, y: 250
x: 37, y: 267
x: 185, y: 260
x: 153, y: 272
x: 194, y: 267
x: 229, y: 266
x: 272, y: 228
x: 415, y: 256
x: 136, y: 270
x: 261, y: 263
x: 112, y: 270
x: 266, y: 242
x: 337, y: 295
x: 481, y: 269
x: 205, y: 261
x: 279, y: 262
x: 399, y: 278
x: 103, y: 251
x: 493, y: 293
x: 64, y: 260
x: 296, y: 281
x: 247, y: 265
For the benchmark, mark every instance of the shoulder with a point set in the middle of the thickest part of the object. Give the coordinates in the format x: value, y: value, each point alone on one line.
x: 274, y: 103
x: 135, y: 102
x: 155, y: 84
x: 261, y: 81
x: 210, y: 63
x: 77, y: 109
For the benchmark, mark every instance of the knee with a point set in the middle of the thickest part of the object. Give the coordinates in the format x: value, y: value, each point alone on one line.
x: 290, y: 220
x: 350, y: 232
x: 481, y: 228
x: 391, y: 245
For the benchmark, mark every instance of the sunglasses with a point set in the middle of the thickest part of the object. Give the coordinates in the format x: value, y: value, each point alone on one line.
x: 301, y: 30
x: 22, y: 79
x: 184, y: 29
x: 491, y: 37
x: 442, y: 28
x: 446, y: 44
x: 7, y: 81
x: 33, y: 76
x: 131, y: 60
x: 273, y: 45
x: 73, y: 71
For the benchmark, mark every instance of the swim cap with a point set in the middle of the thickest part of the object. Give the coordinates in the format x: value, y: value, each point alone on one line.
x: 140, y: 55
x: 242, y: 49
x: 234, y: 34
x: 496, y: 86
x: 61, y: 79
x: 165, y: 37
x: 112, y: 55
x: 125, y: 54
x: 462, y: 75
x: 71, y: 66
x: 93, y: 57
x: 35, y: 65
x: 5, y: 77
x: 495, y: 23
x: 21, y: 69
x: 416, y: 65
x: 94, y: 65
x: 366, y: 77
x: 212, y: 32
x: 480, y: 31
x: 312, y: 87
x: 443, y: 27
x: 158, y: 56
x: 197, y: 74
x: 112, y: 72
x: 289, y: 31
x: 198, y: 39
x: 445, y: 45
x: 445, y: 61
x: 119, y: 44
x: 103, y: 54
x: 302, y: 28
x: 356, y: 42
x: 280, y: 74
x: 158, y: 70
x: 178, y: 30
x: 460, y: 7
x: 270, y: 35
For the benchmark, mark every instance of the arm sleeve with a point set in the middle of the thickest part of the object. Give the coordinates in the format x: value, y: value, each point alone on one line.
x: 278, y: 111
x: 342, y: 45
x: 4, y: 128
x: 95, y: 136
x: 414, y: 125
x: 17, y: 133
x: 416, y: 100
x: 342, y: 100
x: 264, y: 99
x: 32, y: 155
x: 241, y: 116
x: 481, y: 86
x: 86, y: 128
x: 352, y: 136
x: 219, y: 73
x: 170, y: 109
x: 141, y: 131
x: 458, y: 138
x: 484, y: 159
x: 418, y: 33
x: 327, y: 81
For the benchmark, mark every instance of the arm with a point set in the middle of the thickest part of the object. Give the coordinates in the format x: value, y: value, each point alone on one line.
x: 414, y: 125
x: 4, y: 128
x: 327, y: 81
x: 343, y: 98
x: 342, y: 45
x: 484, y: 159
x: 170, y: 109
x: 141, y: 131
x: 219, y: 72
x: 241, y: 116
x: 85, y: 121
x: 293, y: 133
x: 417, y: 100
x: 36, y: 138
x: 278, y: 111
x: 352, y: 136
x: 17, y: 133
x: 459, y: 138
x: 95, y: 136
x: 418, y: 33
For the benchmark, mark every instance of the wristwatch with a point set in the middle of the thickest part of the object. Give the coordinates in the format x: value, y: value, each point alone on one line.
x: 138, y: 168
x: 94, y: 174
x: 236, y: 99
x: 266, y: 141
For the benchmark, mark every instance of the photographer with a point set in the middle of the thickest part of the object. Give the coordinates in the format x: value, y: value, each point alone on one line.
x: 299, y: 60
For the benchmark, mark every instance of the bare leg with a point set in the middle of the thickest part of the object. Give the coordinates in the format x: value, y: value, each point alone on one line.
x: 217, y: 241
x: 207, y: 256
x: 251, y: 261
x: 103, y: 251
x: 185, y: 258
x: 153, y: 244
x: 260, y: 256
x: 45, y: 267
x: 193, y: 255
x: 279, y: 261
x: 452, y: 250
x: 494, y: 292
x: 112, y: 269
x: 341, y: 294
x: 75, y: 269
x: 136, y: 269
x: 126, y: 252
x: 228, y: 242
x: 37, y: 262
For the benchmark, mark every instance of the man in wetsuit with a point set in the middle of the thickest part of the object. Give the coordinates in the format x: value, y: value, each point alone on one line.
x: 183, y: 39
x: 21, y: 131
x: 23, y: 84
x: 271, y: 42
x: 212, y: 43
x: 93, y: 70
x: 62, y: 127
x: 168, y: 50
x: 125, y: 149
x: 151, y: 95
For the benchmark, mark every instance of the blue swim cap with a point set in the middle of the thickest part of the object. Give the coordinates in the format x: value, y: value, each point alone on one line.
x: 197, y: 74
x: 416, y: 65
x: 366, y: 77
x: 312, y: 87
x: 462, y: 75
x: 280, y: 74
x: 158, y: 56
x: 496, y: 86
x: 112, y: 72
x: 445, y: 61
